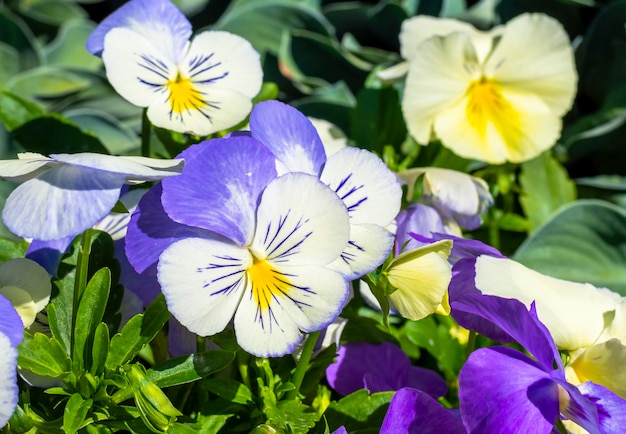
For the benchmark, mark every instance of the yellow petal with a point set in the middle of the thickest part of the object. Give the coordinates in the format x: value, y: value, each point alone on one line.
x: 22, y: 302
x: 603, y: 364
x: 438, y: 77
x: 495, y: 124
x: 421, y: 277
x: 573, y: 312
x: 417, y: 29
x: 534, y: 55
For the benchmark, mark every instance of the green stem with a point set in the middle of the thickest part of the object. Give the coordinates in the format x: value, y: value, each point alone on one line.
x: 81, y: 274
x: 471, y: 343
x: 494, y: 230
x: 145, y: 134
x: 303, y: 364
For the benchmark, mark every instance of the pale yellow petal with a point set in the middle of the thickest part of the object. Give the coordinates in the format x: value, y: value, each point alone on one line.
x: 604, y: 364
x: 438, y: 78
x: 495, y: 124
x: 421, y: 277
x: 417, y: 29
x: 573, y: 312
x: 22, y: 302
x: 29, y: 276
x: 617, y: 323
x: 534, y: 55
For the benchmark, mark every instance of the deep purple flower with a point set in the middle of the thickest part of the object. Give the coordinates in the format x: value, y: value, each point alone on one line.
x: 380, y: 368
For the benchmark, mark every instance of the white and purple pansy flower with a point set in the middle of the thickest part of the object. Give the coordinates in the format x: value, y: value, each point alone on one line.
x: 199, y: 86
x: 232, y: 241
x: 11, y: 334
x: 64, y: 194
x: 369, y: 190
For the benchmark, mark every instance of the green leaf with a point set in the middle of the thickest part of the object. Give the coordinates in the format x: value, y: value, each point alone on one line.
x: 137, y: 333
x: 359, y: 412
x: 15, y: 33
x: 51, y: 12
x: 35, y: 136
x: 262, y: 22
x: 43, y: 355
x: 185, y: 369
x: 89, y: 315
x: 9, y: 62
x: 11, y: 250
x: 118, y: 139
x: 584, y: 242
x: 546, y: 187
x: 75, y: 412
x: 67, y: 50
x: 100, y: 349
x: 293, y: 415
x: 16, y: 111
x: 377, y: 120
x: 46, y: 82
x: 230, y: 390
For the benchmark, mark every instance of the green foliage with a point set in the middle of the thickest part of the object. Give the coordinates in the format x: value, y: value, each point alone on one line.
x: 584, y: 242
x: 359, y: 412
x: 545, y: 188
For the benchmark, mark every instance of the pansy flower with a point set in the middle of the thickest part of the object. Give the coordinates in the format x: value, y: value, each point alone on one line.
x: 492, y: 96
x: 504, y: 390
x: 199, y: 86
x: 379, y: 368
x: 11, y: 334
x: 587, y: 322
x: 367, y: 187
x: 64, y: 194
x: 234, y: 242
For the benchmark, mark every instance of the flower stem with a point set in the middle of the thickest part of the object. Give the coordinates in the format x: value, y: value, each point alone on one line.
x: 303, y: 364
x: 81, y: 274
x: 242, y: 364
x: 145, y: 133
x: 471, y: 343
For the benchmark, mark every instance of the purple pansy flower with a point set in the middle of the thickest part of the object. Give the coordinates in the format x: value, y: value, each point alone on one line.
x: 11, y: 334
x: 503, y: 390
x: 235, y: 242
x: 199, y: 86
x: 380, y: 368
x: 412, y: 411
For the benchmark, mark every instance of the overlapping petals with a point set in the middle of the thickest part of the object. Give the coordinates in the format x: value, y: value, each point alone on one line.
x: 369, y: 190
x: 504, y: 390
x: 492, y: 96
x: 11, y: 334
x: 65, y: 194
x: 380, y: 368
x: 236, y: 243
x: 199, y: 86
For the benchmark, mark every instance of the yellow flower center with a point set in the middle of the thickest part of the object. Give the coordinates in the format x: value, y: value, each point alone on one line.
x: 267, y: 283
x: 486, y: 105
x: 183, y: 95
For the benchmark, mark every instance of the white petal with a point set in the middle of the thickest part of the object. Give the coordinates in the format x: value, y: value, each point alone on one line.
x: 8, y: 379
x: 135, y: 67
x: 369, y: 246
x: 541, y: 62
x: 133, y: 168
x: 29, y: 276
x: 439, y: 76
x: 451, y: 191
x: 24, y: 168
x: 573, y: 312
x: 370, y: 191
x: 332, y: 137
x: 417, y: 29
x: 116, y: 224
x: 395, y: 72
x: 61, y: 202
x: 203, y: 281
x: 519, y: 127
x: 278, y: 306
x: 223, y: 60
x: 201, y: 111
x: 300, y: 221
x: 22, y: 302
